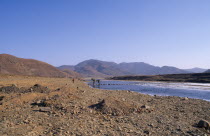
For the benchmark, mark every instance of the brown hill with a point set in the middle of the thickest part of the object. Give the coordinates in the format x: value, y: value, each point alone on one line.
x: 17, y: 66
x: 97, y: 68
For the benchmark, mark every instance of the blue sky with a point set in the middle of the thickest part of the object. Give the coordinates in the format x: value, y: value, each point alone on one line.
x: 159, y: 32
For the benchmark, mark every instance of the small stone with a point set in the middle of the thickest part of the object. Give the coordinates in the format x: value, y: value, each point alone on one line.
x: 14, y: 85
x: 44, y: 109
x: 145, y: 107
x: 151, y: 125
x: 146, y: 132
x: 37, y: 85
x: 204, y: 124
x: 185, y: 98
x: 49, y: 124
x: 39, y: 101
x: 26, y: 121
x: 1, y: 98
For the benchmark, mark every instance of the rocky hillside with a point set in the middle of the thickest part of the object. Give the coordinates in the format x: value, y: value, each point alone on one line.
x: 17, y: 66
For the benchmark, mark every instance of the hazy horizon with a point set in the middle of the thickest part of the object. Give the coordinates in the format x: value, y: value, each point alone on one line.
x: 157, y: 32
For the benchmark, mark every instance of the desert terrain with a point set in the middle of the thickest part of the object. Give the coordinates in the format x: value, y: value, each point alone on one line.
x: 40, y: 106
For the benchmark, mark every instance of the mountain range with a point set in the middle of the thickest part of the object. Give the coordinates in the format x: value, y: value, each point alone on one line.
x: 97, y: 68
x: 90, y: 68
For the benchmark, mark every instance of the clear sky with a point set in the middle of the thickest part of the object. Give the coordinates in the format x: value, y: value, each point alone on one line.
x: 159, y: 32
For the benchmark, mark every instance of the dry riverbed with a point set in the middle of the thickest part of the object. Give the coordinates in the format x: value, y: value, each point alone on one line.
x: 35, y: 106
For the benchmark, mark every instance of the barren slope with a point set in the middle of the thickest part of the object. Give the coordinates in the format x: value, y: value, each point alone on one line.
x: 17, y: 66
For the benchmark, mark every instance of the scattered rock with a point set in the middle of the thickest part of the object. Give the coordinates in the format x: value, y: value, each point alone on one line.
x: 146, y: 132
x: 37, y: 85
x: 58, y: 89
x: 14, y: 85
x: 145, y: 107
x: 204, y: 124
x: 26, y: 121
x: 98, y: 106
x: 55, y: 97
x: 49, y: 124
x: 41, y: 103
x: 10, y: 89
x: 114, y: 107
x: 38, y: 88
x: 45, y: 109
x: 14, y: 89
x: 1, y: 98
x: 185, y: 98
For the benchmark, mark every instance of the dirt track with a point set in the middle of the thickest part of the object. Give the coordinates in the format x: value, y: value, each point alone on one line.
x: 59, y: 107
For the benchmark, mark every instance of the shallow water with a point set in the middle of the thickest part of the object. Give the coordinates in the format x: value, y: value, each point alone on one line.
x: 191, y: 90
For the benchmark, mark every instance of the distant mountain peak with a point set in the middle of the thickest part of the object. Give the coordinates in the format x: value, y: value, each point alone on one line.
x: 196, y: 70
x: 97, y: 68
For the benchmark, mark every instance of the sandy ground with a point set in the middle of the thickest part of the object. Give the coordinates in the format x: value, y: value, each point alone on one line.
x: 61, y: 107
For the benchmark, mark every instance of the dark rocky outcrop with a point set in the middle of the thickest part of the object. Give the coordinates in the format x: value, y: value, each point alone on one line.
x: 204, y: 124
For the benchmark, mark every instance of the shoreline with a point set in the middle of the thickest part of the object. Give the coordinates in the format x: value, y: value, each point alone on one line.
x: 158, y: 85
